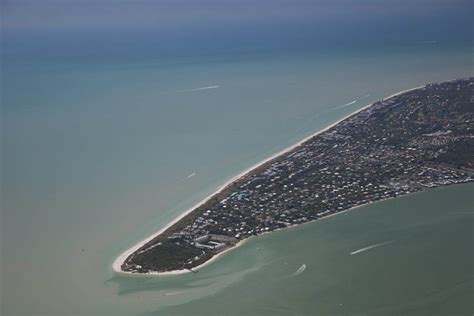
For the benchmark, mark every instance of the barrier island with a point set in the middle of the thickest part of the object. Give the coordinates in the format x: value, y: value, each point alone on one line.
x: 414, y: 140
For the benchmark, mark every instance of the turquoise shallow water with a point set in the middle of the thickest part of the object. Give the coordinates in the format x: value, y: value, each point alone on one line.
x: 97, y: 154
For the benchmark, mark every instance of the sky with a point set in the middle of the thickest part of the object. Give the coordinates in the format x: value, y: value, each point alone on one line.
x: 178, y: 25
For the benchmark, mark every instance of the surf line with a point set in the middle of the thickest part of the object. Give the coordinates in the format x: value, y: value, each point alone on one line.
x: 371, y: 247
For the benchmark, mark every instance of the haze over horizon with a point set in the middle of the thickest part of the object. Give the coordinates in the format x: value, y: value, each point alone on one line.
x: 151, y: 28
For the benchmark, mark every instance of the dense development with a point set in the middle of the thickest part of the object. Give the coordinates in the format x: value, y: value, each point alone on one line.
x: 419, y: 139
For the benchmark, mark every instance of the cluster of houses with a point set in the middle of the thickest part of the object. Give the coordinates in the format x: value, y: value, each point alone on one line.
x: 382, y: 152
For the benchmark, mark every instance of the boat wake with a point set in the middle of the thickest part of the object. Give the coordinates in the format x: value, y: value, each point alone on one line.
x: 300, y: 270
x: 172, y: 293
x: 347, y: 104
x: 198, y: 89
x: 371, y: 247
x: 352, y: 102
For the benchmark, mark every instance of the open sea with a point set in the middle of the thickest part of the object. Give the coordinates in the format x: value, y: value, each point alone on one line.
x: 100, y: 153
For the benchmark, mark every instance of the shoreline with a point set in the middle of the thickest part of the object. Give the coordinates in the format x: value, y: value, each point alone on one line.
x: 124, y: 255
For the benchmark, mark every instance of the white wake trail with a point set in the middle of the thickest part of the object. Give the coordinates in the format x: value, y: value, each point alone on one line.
x: 371, y: 247
x: 173, y: 293
x: 352, y: 102
x: 347, y: 104
x: 198, y: 89
x: 300, y: 270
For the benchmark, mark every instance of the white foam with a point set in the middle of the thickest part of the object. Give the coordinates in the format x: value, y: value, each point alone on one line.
x: 191, y: 175
x: 371, y: 247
